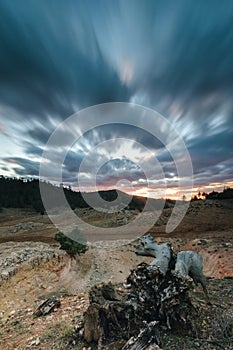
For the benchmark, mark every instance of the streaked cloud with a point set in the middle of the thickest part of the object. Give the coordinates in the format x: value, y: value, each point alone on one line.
x: 58, y: 57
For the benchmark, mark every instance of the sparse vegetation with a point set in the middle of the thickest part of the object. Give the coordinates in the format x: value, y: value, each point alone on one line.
x: 60, y: 333
x: 70, y: 246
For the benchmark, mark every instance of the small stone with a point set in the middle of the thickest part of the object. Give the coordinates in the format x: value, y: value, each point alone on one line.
x: 35, y: 342
x: 202, y: 242
x: 5, y: 273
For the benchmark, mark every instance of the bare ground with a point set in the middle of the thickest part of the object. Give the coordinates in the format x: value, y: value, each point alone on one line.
x: 207, y: 228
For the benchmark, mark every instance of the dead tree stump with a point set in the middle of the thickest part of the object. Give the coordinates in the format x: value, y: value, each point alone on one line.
x: 156, y: 299
x: 108, y: 317
x: 147, y: 339
x: 153, y: 301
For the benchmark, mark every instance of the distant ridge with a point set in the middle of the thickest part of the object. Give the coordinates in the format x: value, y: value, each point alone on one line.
x: 21, y: 193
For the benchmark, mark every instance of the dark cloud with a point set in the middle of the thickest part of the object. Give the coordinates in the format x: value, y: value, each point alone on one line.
x: 221, y: 173
x: 43, y: 64
x: 119, y: 168
x: 72, y: 161
x: 113, y: 131
x: 210, y: 151
x: 32, y: 149
x: 57, y: 57
x: 25, y: 167
x: 193, y: 58
x: 39, y: 134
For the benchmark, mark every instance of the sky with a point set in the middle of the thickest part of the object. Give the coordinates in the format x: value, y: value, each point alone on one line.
x: 58, y: 57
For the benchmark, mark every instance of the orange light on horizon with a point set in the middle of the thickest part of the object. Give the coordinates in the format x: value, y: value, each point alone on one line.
x: 174, y: 193
x: 143, y: 192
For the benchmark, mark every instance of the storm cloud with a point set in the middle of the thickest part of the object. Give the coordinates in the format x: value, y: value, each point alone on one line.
x: 58, y: 57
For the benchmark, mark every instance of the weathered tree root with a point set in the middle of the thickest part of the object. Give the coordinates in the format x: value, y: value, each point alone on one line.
x: 107, y: 318
x: 147, y: 339
x: 157, y: 298
x: 153, y: 301
x: 185, y: 263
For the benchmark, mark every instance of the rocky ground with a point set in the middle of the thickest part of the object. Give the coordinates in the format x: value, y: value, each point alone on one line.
x: 33, y: 268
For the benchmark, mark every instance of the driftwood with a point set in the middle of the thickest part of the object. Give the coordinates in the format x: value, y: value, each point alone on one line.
x: 163, y: 253
x: 190, y: 263
x: 156, y: 298
x: 47, y: 306
x: 186, y: 263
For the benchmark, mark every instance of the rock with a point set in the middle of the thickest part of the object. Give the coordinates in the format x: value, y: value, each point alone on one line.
x: 35, y: 342
x: 202, y: 242
x: 33, y: 254
x: 12, y: 313
x: 28, y: 226
x: 4, y: 273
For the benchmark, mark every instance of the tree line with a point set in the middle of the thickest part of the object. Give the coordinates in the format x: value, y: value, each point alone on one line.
x: 21, y: 193
x: 25, y: 193
x: 227, y: 193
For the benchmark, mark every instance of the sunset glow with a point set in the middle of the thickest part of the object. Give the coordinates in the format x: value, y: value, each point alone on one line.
x: 59, y: 59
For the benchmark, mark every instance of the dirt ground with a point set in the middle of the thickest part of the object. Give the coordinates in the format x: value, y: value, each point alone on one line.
x: 207, y: 228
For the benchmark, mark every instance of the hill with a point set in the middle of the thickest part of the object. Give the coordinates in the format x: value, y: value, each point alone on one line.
x: 21, y: 193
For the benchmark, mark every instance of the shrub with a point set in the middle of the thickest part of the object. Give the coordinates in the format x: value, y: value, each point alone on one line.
x: 69, y: 245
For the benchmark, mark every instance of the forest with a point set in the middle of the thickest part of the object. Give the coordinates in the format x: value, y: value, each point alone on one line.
x: 24, y: 193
